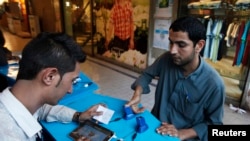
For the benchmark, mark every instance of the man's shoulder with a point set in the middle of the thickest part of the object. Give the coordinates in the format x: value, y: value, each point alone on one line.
x: 6, y: 117
x: 4, y: 113
x: 212, y: 74
x: 10, y: 130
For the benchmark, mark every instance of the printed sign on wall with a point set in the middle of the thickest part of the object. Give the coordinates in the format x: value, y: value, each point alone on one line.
x: 161, y: 34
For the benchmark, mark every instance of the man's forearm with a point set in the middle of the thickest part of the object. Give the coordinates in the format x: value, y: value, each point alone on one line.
x: 185, y: 134
x: 138, y: 90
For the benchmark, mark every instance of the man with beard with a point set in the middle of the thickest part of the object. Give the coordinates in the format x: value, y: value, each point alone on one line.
x: 190, y: 94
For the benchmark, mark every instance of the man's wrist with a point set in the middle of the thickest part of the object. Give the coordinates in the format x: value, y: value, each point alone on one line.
x: 76, y: 116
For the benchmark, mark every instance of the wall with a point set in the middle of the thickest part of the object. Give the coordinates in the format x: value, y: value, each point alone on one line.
x: 159, y: 14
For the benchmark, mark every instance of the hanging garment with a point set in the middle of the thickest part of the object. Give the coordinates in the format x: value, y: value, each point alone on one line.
x: 216, y: 40
x: 208, y: 39
x: 243, y: 44
x: 205, y: 23
x: 234, y: 35
x: 229, y: 31
x: 247, y: 51
x: 213, y: 33
x: 222, y: 48
x: 242, y: 26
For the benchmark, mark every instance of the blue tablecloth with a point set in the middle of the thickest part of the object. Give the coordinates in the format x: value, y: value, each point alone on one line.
x: 123, y: 128
x: 85, y: 85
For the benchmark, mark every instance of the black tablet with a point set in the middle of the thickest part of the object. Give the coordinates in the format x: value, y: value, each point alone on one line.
x: 92, y: 131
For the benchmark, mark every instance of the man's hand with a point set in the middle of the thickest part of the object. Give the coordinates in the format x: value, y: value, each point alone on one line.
x: 170, y: 129
x: 135, y: 100
x: 90, y: 113
x: 133, y: 103
x: 167, y: 129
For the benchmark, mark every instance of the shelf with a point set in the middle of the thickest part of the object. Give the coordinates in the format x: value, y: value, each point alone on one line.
x: 211, y: 12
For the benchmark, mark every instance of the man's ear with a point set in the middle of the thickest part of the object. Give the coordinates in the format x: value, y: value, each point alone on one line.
x: 49, y: 75
x: 199, y: 46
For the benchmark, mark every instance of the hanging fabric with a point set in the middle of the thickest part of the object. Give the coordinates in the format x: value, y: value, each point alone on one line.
x: 208, y: 39
x: 242, y: 26
x: 222, y: 47
x: 247, y: 51
x: 243, y: 43
x: 234, y: 35
x: 228, y: 34
x: 216, y: 40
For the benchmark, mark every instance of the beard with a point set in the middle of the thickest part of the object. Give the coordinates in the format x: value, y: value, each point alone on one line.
x: 181, y: 62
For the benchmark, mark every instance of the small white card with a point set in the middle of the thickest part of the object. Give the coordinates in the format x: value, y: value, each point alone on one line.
x: 106, y: 116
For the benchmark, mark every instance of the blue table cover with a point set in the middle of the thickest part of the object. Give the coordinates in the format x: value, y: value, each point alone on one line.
x: 124, y: 129
x: 80, y: 88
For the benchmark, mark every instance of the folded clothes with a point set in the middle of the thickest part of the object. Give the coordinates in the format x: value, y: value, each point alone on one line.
x: 205, y: 5
x: 194, y: 5
x: 242, y: 4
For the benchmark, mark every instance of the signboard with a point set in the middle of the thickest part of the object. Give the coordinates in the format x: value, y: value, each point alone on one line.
x: 161, y: 34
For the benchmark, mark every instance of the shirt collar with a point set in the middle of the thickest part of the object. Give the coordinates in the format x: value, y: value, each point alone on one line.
x: 20, y: 113
x: 201, y: 64
x: 196, y: 72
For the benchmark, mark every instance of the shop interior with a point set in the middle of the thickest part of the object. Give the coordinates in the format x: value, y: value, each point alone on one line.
x: 231, y: 15
x: 234, y: 73
x: 82, y: 15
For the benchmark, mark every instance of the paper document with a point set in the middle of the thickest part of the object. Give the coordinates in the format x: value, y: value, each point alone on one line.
x: 106, y: 116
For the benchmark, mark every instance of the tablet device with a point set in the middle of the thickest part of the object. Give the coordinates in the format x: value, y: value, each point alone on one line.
x: 92, y: 131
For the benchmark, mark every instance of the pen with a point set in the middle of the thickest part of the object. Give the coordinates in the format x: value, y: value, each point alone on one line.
x: 87, y: 84
x: 187, y: 97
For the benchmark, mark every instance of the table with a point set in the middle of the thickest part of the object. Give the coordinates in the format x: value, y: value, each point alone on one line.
x: 123, y: 128
x: 80, y: 88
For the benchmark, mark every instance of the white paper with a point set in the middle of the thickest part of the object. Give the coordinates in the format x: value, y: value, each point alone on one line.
x: 106, y: 116
x: 161, y: 34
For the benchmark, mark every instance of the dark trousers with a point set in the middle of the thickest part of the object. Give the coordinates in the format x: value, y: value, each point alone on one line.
x: 117, y: 42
